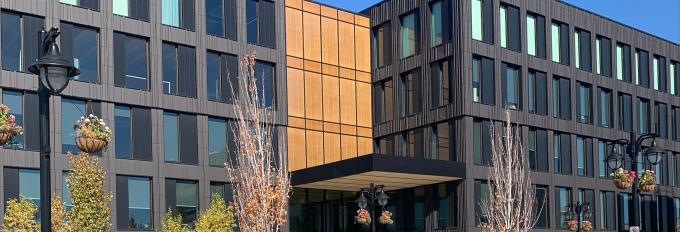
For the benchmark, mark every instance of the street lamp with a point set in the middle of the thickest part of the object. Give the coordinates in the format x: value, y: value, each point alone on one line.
x: 577, y: 210
x: 373, y: 196
x: 633, y: 145
x: 54, y: 72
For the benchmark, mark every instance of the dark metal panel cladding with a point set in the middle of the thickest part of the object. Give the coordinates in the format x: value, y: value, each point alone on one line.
x: 188, y: 149
x: 487, y: 21
x: 540, y: 36
x: 230, y: 19
x: 122, y: 200
x: 513, y: 24
x: 435, y: 85
x: 171, y: 195
x: 188, y: 15
x: 31, y: 130
x: 141, y: 133
x: 119, y: 59
x: 11, y: 183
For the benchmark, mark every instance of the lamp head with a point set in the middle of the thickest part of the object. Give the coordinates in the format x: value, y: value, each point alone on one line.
x: 53, y: 70
x: 654, y: 153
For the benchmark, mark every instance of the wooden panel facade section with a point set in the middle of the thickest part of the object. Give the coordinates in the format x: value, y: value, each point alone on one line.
x: 329, y: 90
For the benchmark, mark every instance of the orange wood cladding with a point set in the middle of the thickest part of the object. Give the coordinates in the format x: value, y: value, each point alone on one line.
x: 328, y: 84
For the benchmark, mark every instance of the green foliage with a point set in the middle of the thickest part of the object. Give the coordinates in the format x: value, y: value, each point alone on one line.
x: 173, y: 223
x: 218, y: 218
x: 90, y: 211
x: 20, y: 216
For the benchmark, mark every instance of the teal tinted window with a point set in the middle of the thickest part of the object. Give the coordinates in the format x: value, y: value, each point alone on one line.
x: 170, y: 12
x: 120, y: 7
x: 555, y: 42
x: 217, y: 141
x: 139, y: 203
x: 477, y: 19
x: 408, y: 35
x: 436, y: 30
x: 71, y: 111
x: 531, y: 35
x: 170, y: 137
x: 15, y: 101
x: 123, y: 132
x: 187, y: 200
x: 29, y: 187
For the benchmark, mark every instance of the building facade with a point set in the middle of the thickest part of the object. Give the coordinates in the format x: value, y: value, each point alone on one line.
x: 400, y: 95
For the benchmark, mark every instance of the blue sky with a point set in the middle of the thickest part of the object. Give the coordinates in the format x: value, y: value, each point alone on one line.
x: 658, y: 17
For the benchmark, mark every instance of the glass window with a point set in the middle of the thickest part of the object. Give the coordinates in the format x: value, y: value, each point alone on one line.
x: 531, y: 91
x: 386, y: 96
x: 120, y: 7
x: 251, y: 21
x: 136, y: 59
x: 440, y: 78
x: 531, y: 34
x: 214, y: 17
x: 170, y: 12
x: 15, y: 101
x: 477, y: 141
x: 482, y: 197
x: 598, y: 55
x: 561, y: 97
x: 419, y: 208
x: 655, y: 73
x: 71, y: 111
x: 440, y: 142
x: 661, y: 121
x: 408, y: 35
x: 214, y: 84
x: 625, y: 112
x: 170, y: 137
x: 555, y: 41
x: 139, y: 203
x: 11, y: 42
x: 503, y: 26
x: 577, y: 48
x: 563, y: 199
x: 92, y: 5
x: 28, y: 187
x: 619, y: 62
x: 442, y: 206
x: 382, y: 44
x: 625, y: 202
x: 437, y: 33
x: 266, y: 78
x: 83, y: 48
x: 606, y: 215
x: 643, y: 116
x: 476, y: 79
x: 65, y: 193
x: 217, y: 141
x: 562, y: 153
x: 477, y: 19
x: 531, y: 148
x: 410, y: 94
x: 123, y: 132
x: 582, y: 156
x: 512, y: 87
x: 169, y: 68
x: 187, y: 200
x: 584, y: 102
x: 224, y: 190
x: 673, y: 67
x: 542, y: 204
x: 605, y: 108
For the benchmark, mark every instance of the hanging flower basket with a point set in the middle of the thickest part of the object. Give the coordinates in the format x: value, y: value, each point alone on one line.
x: 8, y: 128
x: 623, y: 179
x: 647, y: 181
x: 363, y: 217
x: 572, y: 225
x: 586, y: 226
x: 92, y: 134
x: 385, y: 218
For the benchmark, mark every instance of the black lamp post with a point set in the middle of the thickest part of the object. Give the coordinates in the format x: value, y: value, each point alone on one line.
x: 373, y: 196
x: 54, y: 73
x: 633, y: 147
x: 577, y: 210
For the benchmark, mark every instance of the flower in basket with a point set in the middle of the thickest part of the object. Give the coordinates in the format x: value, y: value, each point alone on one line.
x: 647, y: 179
x: 623, y: 178
x: 7, y: 122
x: 92, y: 127
x: 572, y: 225
x: 586, y: 225
x: 363, y: 217
x: 385, y: 218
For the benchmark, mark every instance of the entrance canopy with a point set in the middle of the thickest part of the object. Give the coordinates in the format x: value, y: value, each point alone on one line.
x: 392, y: 171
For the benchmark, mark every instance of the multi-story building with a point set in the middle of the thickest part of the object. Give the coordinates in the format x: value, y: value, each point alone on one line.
x: 400, y: 95
x: 443, y: 71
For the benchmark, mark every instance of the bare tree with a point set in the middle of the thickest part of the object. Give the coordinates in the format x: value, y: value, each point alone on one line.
x: 258, y: 172
x: 511, y: 206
